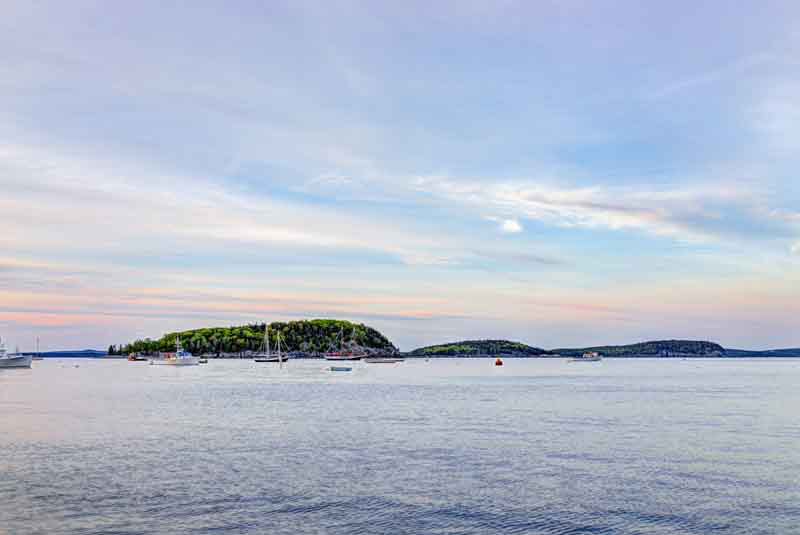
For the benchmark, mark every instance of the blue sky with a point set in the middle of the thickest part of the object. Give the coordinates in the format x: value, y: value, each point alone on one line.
x: 561, y: 173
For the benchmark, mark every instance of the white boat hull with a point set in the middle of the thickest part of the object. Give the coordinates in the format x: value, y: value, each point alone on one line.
x: 16, y: 362
x: 586, y: 359
x: 183, y: 361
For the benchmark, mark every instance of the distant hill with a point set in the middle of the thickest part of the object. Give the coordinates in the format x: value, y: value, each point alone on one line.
x: 80, y: 354
x: 661, y: 348
x: 307, y: 336
x: 476, y: 348
x: 793, y: 352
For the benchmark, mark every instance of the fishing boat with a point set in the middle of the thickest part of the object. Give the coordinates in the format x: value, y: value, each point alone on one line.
x: 13, y: 360
x: 383, y: 360
x: 590, y: 356
x: 179, y: 358
x: 265, y: 355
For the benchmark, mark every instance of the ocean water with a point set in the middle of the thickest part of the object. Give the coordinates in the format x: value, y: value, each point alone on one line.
x: 439, y: 447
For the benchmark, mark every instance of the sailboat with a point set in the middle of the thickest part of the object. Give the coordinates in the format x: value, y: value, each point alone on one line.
x: 348, y: 354
x: 13, y: 360
x: 264, y: 354
x: 38, y: 355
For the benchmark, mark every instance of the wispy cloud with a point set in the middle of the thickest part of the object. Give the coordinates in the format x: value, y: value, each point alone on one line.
x: 690, y: 213
x: 711, y: 76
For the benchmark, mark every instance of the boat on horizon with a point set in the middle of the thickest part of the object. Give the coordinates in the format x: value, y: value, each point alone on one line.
x: 589, y: 356
x: 179, y: 358
x: 383, y: 360
x: 13, y: 360
x: 265, y: 354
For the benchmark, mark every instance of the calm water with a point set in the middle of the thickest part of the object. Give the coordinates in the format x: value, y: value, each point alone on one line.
x: 445, y: 447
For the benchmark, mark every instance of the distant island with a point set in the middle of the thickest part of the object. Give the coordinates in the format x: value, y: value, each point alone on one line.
x: 483, y: 348
x: 479, y: 348
x: 308, y: 338
x: 313, y: 338
x: 661, y: 348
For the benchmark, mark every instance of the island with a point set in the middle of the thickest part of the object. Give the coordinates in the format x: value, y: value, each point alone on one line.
x: 303, y: 338
x: 479, y: 348
x: 660, y: 348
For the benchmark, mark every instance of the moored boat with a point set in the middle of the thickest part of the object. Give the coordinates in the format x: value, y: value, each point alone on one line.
x: 265, y: 354
x: 383, y: 360
x: 344, y: 356
x: 591, y: 356
x: 13, y: 360
x: 179, y: 358
x: 349, y: 353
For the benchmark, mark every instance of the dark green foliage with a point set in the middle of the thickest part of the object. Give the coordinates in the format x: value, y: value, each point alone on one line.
x: 663, y: 348
x: 666, y: 348
x: 479, y: 347
x: 309, y: 336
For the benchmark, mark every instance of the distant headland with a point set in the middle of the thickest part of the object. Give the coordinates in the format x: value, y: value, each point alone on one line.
x: 313, y: 338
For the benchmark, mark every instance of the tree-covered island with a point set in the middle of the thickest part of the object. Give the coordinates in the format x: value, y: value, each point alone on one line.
x: 303, y: 338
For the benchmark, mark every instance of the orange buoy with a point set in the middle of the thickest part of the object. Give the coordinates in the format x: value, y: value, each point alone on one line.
x: 498, y: 362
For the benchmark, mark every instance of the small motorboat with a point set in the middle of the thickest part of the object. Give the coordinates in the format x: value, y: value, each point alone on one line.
x: 498, y: 361
x: 202, y: 360
x: 592, y: 356
x: 341, y: 368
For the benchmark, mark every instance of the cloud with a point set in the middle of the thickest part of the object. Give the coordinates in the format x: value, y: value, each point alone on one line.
x: 700, y: 212
x: 511, y: 226
x: 711, y: 76
x: 796, y: 248
x: 507, y: 225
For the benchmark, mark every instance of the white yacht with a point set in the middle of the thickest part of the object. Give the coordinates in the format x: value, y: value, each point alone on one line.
x: 179, y: 358
x: 14, y: 360
x: 591, y: 356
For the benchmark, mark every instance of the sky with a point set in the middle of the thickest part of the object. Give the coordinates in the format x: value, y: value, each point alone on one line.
x: 562, y: 173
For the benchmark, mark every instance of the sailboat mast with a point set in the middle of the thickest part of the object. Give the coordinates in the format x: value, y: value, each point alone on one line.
x: 280, y: 356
